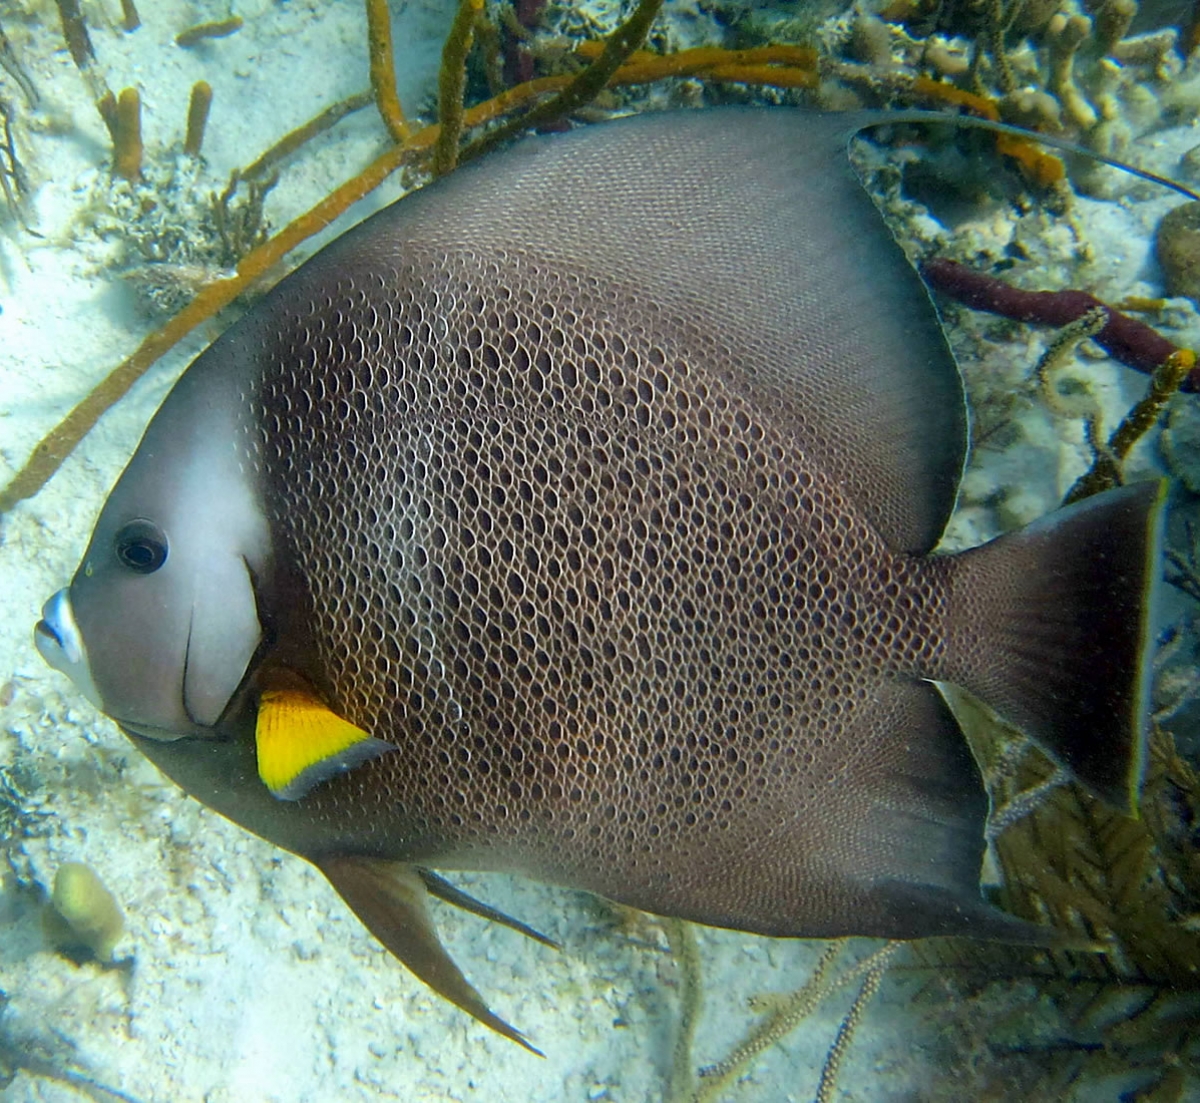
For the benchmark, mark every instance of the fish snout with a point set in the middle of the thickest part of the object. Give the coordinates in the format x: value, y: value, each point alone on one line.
x: 58, y: 640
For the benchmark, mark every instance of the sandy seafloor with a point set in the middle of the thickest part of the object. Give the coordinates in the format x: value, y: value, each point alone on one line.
x: 244, y: 976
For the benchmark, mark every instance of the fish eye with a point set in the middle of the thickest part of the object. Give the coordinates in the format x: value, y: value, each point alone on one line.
x: 141, y: 546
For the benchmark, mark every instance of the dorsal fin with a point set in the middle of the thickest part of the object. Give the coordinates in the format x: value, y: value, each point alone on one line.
x: 744, y: 229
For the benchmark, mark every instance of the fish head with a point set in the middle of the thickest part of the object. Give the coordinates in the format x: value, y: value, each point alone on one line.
x: 161, y: 620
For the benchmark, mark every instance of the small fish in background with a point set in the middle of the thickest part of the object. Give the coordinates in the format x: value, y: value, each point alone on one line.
x: 573, y: 517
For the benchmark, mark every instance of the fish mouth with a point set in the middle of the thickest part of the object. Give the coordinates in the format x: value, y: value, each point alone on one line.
x: 57, y: 632
x: 52, y: 641
x: 60, y: 643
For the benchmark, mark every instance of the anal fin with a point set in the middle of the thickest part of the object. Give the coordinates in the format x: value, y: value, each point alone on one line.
x: 910, y: 864
x: 921, y: 838
x: 391, y: 900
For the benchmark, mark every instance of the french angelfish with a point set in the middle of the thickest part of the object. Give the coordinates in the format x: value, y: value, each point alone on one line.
x: 573, y: 517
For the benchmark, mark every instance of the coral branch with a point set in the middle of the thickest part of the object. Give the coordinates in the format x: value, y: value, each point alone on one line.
x: 583, y: 89
x: 779, y: 1023
x: 79, y: 45
x: 130, y: 20
x: 1126, y: 339
x: 1168, y: 378
x: 10, y: 64
x: 850, y: 1023
x: 1112, y: 23
x: 519, y: 22
x: 127, y: 138
x: 452, y: 80
x: 702, y: 60
x: 778, y: 66
x: 1105, y: 471
x: 1066, y: 34
x: 997, y: 25
x: 682, y: 941
x: 193, y: 36
x: 106, y: 105
x: 75, y: 33
x: 197, y: 117
x: 13, y: 181
x: 294, y: 139
x: 1058, y: 352
x: 383, y: 69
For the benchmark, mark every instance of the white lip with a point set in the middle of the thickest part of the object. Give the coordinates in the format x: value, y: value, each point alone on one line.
x: 60, y: 643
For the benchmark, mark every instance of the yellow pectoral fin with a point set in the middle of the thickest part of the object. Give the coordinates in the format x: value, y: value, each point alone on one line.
x: 301, y: 742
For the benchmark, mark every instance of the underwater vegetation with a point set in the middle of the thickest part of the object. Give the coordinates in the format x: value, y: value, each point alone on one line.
x: 1132, y: 1010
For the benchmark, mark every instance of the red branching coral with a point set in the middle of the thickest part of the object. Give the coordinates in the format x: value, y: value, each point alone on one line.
x: 1126, y: 339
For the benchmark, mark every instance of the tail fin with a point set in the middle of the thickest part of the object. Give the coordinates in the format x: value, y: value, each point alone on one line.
x: 1052, y: 626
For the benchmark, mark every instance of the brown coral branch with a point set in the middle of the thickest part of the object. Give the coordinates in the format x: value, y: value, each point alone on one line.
x: 1113, y: 19
x: 13, y: 183
x: 1066, y: 34
x: 75, y: 33
x: 701, y: 60
x: 1105, y: 471
x: 79, y: 45
x: 682, y: 941
x: 10, y: 64
x: 827, y: 1085
x: 106, y: 105
x: 778, y: 66
x: 997, y: 25
x: 130, y: 20
x: 452, y: 81
x: 127, y: 137
x: 518, y: 23
x: 383, y: 69
x: 1126, y: 339
x: 197, y: 117
x: 201, y: 32
x: 1167, y: 378
x: 294, y: 139
x: 583, y: 88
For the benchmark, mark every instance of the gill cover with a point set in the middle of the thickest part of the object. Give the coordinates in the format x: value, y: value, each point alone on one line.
x: 165, y: 602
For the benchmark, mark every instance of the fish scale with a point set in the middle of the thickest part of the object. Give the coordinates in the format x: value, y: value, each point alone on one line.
x: 678, y: 637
